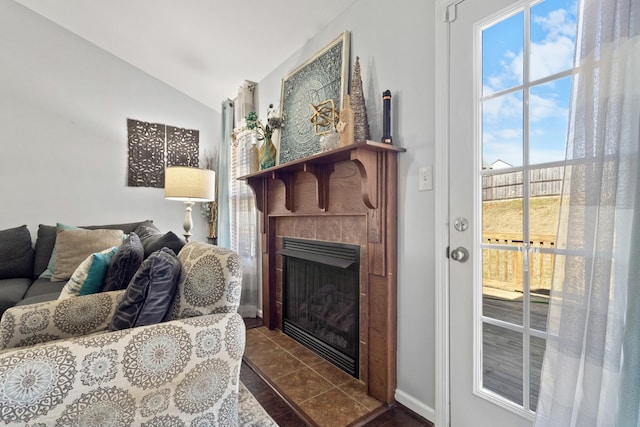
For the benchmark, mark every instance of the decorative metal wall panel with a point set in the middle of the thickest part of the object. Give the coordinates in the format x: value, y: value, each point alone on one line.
x: 154, y: 146
x: 323, y: 77
x: 146, y: 154
x: 182, y: 147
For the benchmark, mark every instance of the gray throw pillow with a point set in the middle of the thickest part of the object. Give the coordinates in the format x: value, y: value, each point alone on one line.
x: 16, y: 253
x: 150, y: 293
x: 152, y: 240
x: 124, y: 264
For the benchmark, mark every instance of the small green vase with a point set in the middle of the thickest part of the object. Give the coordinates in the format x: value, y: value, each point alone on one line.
x: 267, y: 154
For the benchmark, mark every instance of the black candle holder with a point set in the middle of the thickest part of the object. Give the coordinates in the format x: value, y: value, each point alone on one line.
x: 386, y: 117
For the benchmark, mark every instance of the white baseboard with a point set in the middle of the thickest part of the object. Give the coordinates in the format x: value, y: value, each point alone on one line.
x: 415, y: 405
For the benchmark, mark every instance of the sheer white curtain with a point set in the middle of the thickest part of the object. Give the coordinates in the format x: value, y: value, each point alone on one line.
x: 590, y: 368
x: 242, y: 208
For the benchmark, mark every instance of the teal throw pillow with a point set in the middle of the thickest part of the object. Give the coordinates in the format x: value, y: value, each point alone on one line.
x: 97, y: 272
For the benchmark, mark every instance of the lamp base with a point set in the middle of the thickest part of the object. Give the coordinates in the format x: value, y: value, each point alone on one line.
x: 187, y: 221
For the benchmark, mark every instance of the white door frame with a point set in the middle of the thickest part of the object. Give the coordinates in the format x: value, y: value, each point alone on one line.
x: 445, y: 12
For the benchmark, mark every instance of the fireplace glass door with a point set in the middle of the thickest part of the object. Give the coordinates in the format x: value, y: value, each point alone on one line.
x: 321, y: 282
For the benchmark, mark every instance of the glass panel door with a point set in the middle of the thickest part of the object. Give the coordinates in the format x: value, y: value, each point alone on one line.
x: 526, y: 76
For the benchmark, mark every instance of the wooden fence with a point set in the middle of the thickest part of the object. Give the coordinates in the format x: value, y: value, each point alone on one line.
x: 503, y: 269
x: 544, y: 182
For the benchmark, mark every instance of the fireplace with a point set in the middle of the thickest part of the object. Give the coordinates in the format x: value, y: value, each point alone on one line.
x: 321, y: 286
x: 346, y: 195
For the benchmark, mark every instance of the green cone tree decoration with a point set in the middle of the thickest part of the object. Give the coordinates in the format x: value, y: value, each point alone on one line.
x: 361, y: 123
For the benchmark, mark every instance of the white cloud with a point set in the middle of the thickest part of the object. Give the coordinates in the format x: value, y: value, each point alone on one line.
x: 557, y: 23
x: 509, y: 77
x: 487, y: 90
x: 516, y: 67
x: 503, y: 107
x: 488, y: 137
x: 542, y: 108
x: 510, y: 133
x: 548, y: 56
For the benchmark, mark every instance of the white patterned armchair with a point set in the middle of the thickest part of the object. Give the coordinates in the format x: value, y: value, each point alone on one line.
x: 59, y: 366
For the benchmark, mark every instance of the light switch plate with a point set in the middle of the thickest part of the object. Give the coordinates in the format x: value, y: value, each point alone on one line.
x: 425, y: 178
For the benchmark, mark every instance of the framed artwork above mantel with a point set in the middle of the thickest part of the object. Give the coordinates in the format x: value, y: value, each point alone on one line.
x: 324, y: 76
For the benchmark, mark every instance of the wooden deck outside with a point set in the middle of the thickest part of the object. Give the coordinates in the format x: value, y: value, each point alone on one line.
x: 503, y: 349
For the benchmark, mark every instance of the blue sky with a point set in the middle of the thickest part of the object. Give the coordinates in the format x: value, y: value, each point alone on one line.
x: 553, y: 26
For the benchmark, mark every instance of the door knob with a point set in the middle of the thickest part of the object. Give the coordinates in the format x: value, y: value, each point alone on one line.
x: 460, y: 254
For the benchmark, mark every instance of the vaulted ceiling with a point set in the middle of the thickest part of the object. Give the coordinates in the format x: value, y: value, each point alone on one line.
x: 203, y: 48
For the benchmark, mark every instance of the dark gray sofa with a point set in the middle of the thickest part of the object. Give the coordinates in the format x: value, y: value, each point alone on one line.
x: 21, y: 263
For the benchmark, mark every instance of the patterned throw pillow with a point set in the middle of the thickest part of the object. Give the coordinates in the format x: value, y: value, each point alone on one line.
x: 124, y: 264
x: 89, y: 275
x: 210, y: 281
x: 150, y: 292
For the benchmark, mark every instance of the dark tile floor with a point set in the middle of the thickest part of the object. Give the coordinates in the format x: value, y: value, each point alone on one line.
x: 309, y: 391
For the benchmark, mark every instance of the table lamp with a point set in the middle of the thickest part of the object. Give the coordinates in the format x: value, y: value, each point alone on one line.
x: 189, y: 185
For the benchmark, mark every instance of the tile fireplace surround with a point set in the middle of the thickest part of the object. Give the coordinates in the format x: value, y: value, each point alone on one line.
x: 347, y: 195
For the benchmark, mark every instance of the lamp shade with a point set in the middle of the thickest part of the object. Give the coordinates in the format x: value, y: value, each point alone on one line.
x: 185, y: 183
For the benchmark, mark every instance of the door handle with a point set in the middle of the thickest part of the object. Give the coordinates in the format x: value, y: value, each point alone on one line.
x: 460, y: 254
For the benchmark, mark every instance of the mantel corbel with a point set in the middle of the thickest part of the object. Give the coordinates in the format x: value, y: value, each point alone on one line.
x: 258, y: 185
x: 322, y: 174
x: 287, y: 179
x: 367, y: 163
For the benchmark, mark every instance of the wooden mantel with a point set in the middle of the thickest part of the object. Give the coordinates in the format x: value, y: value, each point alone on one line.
x: 358, y: 181
x: 365, y: 155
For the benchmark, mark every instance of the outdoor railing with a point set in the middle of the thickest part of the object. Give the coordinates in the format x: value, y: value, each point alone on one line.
x: 503, y: 269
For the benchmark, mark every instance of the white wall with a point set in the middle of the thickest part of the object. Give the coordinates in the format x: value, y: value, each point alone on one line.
x: 64, y: 105
x: 396, y: 45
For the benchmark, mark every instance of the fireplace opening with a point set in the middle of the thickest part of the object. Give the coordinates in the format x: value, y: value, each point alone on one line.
x: 321, y: 294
